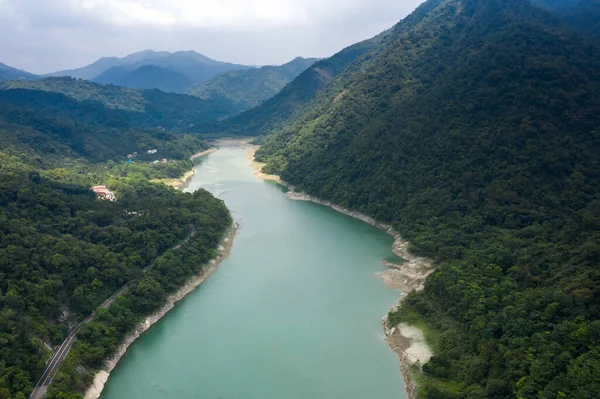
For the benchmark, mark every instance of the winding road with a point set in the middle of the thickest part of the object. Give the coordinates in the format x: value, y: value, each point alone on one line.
x: 52, y: 368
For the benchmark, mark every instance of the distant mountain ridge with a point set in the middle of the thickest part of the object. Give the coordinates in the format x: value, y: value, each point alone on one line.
x: 175, y: 66
x: 10, y: 73
x: 150, y: 108
x: 145, y: 77
x: 295, y: 96
x: 250, y: 87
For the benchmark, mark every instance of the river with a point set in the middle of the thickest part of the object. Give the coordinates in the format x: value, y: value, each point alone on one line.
x: 293, y: 313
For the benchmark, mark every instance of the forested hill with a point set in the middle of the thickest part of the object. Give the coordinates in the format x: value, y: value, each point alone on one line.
x: 248, y: 88
x: 63, y: 251
x: 581, y: 15
x: 145, y: 77
x: 48, y: 129
x: 149, y: 108
x: 475, y: 129
x: 292, y: 99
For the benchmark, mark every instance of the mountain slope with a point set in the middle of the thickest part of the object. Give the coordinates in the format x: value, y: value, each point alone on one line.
x: 145, y: 77
x: 250, y: 87
x: 292, y: 99
x: 10, y: 73
x: 50, y: 126
x: 475, y: 130
x: 64, y: 251
x: 585, y: 17
x: 150, y: 108
x: 581, y: 15
x: 194, y: 66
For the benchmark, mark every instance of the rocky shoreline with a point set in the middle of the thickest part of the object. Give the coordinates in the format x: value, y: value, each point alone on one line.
x: 406, y: 341
x: 101, y: 377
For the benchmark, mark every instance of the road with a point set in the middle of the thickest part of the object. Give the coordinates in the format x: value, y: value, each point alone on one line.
x: 51, y: 369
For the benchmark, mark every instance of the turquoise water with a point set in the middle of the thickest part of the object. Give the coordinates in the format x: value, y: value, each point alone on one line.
x: 294, y: 312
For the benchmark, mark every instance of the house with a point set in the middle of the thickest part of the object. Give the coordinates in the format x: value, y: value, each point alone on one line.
x: 154, y: 151
x: 160, y: 128
x: 103, y: 193
x: 155, y: 162
x: 129, y: 156
x: 164, y: 160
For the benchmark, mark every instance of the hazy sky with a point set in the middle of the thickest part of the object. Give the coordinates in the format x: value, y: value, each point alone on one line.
x: 48, y: 35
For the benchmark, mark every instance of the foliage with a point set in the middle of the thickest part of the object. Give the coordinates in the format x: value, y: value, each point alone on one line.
x: 475, y: 129
x: 292, y: 99
x: 142, y: 108
x: 248, y: 88
x: 145, y: 77
x: 63, y: 251
x: 55, y: 126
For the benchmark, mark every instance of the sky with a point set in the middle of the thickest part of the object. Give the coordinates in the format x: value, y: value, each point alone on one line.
x: 43, y: 36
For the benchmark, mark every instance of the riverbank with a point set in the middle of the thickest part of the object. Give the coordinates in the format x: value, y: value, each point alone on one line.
x: 178, y: 183
x: 259, y: 165
x: 203, y: 153
x: 101, y: 377
x: 406, y: 341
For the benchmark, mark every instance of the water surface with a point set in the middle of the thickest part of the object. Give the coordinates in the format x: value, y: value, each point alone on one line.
x: 294, y: 313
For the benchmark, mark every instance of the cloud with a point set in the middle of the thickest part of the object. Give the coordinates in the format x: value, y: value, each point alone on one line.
x: 43, y: 36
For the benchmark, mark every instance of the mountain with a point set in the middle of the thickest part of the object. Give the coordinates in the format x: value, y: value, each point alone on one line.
x: 474, y: 128
x: 194, y: 66
x: 585, y: 17
x: 148, y: 108
x: 145, y: 77
x: 291, y: 100
x: 582, y: 15
x: 50, y: 126
x: 64, y: 251
x: 10, y: 73
x: 248, y: 88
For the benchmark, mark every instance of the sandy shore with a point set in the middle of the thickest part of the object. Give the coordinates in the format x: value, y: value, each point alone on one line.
x: 259, y: 165
x: 101, y: 376
x: 406, y: 341
x: 203, y: 153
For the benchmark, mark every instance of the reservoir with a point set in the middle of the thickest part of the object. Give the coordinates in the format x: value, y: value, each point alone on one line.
x: 294, y: 312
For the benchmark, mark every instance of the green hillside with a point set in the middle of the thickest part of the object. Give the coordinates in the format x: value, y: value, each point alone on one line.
x: 250, y: 87
x: 145, y: 77
x: 149, y: 108
x: 63, y: 251
x: 292, y: 99
x: 581, y: 15
x: 474, y: 128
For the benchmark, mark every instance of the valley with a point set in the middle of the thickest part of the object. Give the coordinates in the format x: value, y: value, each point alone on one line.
x: 433, y: 189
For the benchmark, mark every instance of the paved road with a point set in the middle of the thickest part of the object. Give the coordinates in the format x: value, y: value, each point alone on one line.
x: 51, y: 369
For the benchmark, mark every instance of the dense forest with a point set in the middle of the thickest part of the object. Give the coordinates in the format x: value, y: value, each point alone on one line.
x: 581, y: 15
x: 474, y: 128
x: 248, y: 88
x: 63, y: 251
x: 145, y: 108
x: 288, y: 103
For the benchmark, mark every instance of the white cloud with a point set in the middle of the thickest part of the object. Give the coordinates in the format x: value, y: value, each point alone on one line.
x: 42, y: 35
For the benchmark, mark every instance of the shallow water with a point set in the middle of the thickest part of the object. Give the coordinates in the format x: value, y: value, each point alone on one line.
x: 294, y: 312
